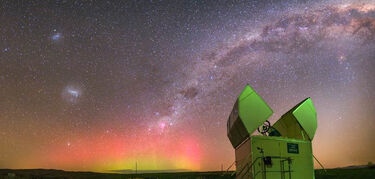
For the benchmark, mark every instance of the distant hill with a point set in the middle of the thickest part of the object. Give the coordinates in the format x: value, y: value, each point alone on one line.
x: 45, y: 173
x: 346, y: 173
x: 130, y: 171
x: 354, y: 167
x: 350, y: 172
x: 50, y: 173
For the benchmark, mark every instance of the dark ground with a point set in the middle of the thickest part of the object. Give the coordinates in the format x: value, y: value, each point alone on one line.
x: 360, y: 173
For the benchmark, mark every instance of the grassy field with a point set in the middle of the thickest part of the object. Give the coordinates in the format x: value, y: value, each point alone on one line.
x: 362, y: 173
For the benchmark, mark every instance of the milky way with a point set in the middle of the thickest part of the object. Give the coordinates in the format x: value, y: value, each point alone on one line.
x: 101, y: 86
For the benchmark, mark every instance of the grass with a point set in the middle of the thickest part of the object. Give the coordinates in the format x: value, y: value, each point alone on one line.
x: 365, y: 173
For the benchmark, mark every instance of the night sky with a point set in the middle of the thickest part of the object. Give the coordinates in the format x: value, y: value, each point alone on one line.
x: 100, y: 85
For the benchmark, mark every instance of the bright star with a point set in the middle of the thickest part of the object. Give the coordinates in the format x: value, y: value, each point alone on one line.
x: 74, y: 93
x: 56, y: 36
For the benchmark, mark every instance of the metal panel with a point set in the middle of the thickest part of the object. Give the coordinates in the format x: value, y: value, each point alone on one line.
x: 284, y: 164
x: 289, y: 127
x: 236, y: 130
x: 305, y: 114
x: 252, y: 109
x: 235, y: 135
x: 299, y: 122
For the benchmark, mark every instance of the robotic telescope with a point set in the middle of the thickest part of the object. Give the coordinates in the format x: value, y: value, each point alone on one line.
x: 283, y: 150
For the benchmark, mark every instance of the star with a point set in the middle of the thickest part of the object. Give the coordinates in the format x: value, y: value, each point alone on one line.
x: 74, y: 93
x: 56, y: 36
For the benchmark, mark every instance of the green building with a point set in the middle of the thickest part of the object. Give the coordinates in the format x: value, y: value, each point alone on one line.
x: 283, y: 150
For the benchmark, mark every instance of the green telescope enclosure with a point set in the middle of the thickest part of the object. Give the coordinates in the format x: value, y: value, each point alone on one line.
x: 283, y: 150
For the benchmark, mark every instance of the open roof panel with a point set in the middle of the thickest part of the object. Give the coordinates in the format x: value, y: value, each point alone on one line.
x: 249, y: 112
x: 299, y: 122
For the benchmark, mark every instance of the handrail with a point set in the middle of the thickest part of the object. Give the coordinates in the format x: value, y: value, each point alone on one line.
x: 277, y: 157
x: 319, y: 163
x: 230, y: 166
x: 241, y: 164
x: 251, y: 166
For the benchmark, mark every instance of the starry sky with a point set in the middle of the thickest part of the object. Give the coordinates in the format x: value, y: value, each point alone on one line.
x: 101, y: 85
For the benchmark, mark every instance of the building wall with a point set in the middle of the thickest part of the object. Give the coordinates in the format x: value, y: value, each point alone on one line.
x: 278, y: 148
